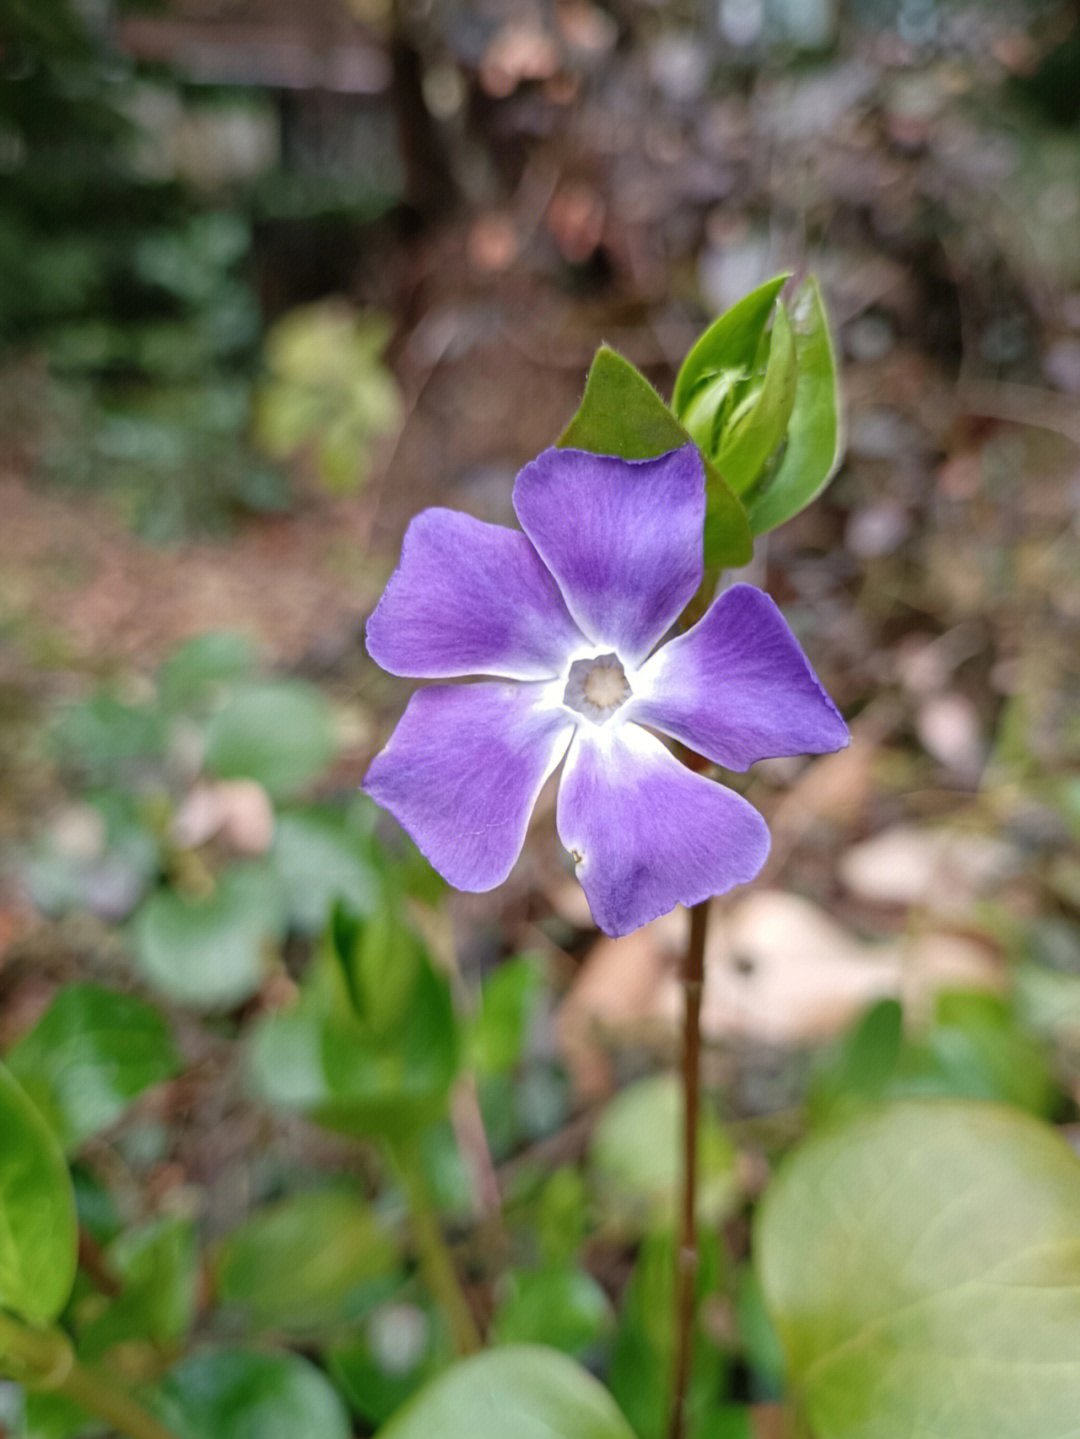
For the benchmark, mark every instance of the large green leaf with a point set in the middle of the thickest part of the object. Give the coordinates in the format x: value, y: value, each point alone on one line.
x: 922, y: 1266
x: 196, y: 670
x: 211, y: 953
x: 294, y: 1264
x: 812, y: 450
x: 621, y: 414
x: 517, y: 1392
x: 279, y: 733
x: 89, y: 1055
x: 38, y: 1230
x: 237, y: 1394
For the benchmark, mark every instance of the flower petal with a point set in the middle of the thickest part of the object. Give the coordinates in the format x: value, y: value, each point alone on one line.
x: 622, y: 537
x: 737, y: 687
x: 647, y: 832
x: 461, y: 773
x: 470, y: 598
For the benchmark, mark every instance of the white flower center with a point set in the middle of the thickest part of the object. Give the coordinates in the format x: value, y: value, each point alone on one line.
x: 596, y: 687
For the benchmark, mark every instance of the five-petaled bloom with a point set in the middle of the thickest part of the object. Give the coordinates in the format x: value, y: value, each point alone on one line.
x: 563, y: 618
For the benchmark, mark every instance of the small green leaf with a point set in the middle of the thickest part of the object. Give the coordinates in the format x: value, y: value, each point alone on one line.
x: 621, y: 414
x: 294, y: 1264
x: 339, y: 1072
x: 644, y: 1343
x: 759, y: 422
x: 318, y: 855
x: 400, y: 1347
x: 812, y: 451
x: 38, y: 1230
x: 560, y: 1306
x: 89, y: 1055
x: 238, y: 1394
x: 921, y: 1263
x: 510, y: 1001
x: 195, y: 670
x: 730, y: 345
x: 635, y: 1156
x: 158, y: 1268
x: 518, y: 1392
x: 280, y: 733
x: 211, y: 953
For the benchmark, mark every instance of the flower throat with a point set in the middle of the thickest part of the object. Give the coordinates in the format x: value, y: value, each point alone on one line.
x: 596, y: 688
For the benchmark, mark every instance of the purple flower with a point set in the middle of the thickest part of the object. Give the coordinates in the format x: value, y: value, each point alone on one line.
x: 563, y: 617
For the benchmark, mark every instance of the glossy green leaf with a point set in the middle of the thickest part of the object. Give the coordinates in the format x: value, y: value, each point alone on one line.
x: 518, y: 1392
x: 621, y: 414
x: 89, y: 1055
x: 238, y: 1394
x: 331, y: 1068
x: 636, y: 1156
x: 812, y: 450
x: 560, y: 1305
x: 157, y: 1266
x: 730, y: 345
x: 758, y: 423
x: 38, y: 1230
x: 279, y: 733
x: 211, y: 953
x: 317, y: 854
x: 294, y: 1264
x: 922, y: 1266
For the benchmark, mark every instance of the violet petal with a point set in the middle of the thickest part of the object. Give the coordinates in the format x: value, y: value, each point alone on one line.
x: 623, y: 538
x: 737, y: 687
x: 462, y: 771
x: 470, y: 598
x: 648, y: 833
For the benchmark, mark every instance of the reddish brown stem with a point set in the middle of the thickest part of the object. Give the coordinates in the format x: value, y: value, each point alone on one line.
x: 686, y: 1254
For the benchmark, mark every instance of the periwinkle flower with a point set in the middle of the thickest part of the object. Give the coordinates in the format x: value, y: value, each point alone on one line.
x: 563, y: 618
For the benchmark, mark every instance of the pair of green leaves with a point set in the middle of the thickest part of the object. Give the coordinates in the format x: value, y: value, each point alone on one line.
x: 760, y: 403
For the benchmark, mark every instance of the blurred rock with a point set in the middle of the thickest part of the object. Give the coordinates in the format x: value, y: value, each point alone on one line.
x: 942, y: 869
x: 948, y: 728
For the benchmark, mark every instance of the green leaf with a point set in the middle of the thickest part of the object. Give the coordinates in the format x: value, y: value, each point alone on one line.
x: 922, y: 1266
x: 38, y: 1229
x: 237, y: 1394
x: 104, y: 737
x: 194, y: 671
x: 636, y: 1156
x: 644, y: 1345
x: 318, y: 855
x: 279, y: 733
x: 560, y: 1306
x: 519, y: 1392
x: 158, y: 1268
x: 510, y: 1002
x: 812, y: 451
x: 89, y: 1055
x: 211, y: 953
x: 621, y: 414
x: 348, y: 1076
x: 294, y: 1264
x: 760, y: 420
x: 730, y: 345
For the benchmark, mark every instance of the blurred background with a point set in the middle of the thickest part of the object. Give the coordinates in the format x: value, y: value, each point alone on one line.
x: 275, y: 276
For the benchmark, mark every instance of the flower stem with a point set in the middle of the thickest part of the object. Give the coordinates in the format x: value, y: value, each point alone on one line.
x: 435, y: 1258
x: 686, y: 1253
x: 44, y: 1359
